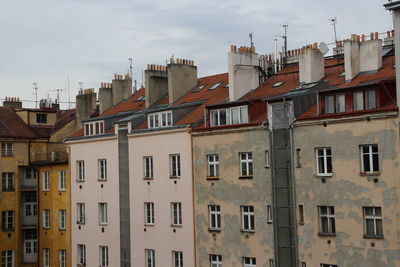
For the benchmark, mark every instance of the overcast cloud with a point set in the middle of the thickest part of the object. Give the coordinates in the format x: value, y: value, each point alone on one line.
x: 45, y: 41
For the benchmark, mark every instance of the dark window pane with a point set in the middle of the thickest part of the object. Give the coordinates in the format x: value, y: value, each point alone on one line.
x: 370, y: 227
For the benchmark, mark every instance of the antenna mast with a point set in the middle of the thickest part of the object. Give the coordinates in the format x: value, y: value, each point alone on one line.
x: 251, y: 39
x: 35, y: 89
x: 285, y: 27
x: 334, y: 21
x: 80, y: 86
x: 69, y: 93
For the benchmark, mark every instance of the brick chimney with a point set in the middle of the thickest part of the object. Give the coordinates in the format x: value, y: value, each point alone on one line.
x: 242, y: 71
x: 361, y: 55
x: 105, y: 97
x: 85, y: 104
x: 311, y: 64
x: 156, y: 81
x: 121, y: 88
x: 182, y: 77
x: 12, y: 102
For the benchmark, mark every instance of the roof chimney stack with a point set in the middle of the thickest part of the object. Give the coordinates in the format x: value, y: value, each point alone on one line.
x: 156, y: 81
x: 105, y: 97
x: 12, y: 102
x: 182, y: 77
x: 85, y: 104
x: 121, y: 88
x: 311, y: 64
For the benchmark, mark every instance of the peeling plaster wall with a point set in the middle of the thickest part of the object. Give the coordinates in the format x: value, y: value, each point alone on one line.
x: 348, y: 192
x: 230, y: 193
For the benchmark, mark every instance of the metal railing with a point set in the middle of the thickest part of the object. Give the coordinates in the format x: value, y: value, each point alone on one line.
x: 54, y: 156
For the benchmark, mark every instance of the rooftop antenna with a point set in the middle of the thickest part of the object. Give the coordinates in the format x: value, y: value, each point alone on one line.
x: 334, y: 21
x: 69, y: 93
x: 285, y: 27
x: 251, y: 39
x: 35, y: 89
x: 80, y: 86
x: 58, y: 94
x: 142, y: 79
x: 131, y: 73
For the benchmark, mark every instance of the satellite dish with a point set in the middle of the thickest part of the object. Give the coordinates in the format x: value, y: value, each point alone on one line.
x: 323, y: 48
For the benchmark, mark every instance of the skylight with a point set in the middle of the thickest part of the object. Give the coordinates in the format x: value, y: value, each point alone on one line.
x: 277, y: 84
x: 198, y: 88
x: 215, y: 86
x: 140, y: 98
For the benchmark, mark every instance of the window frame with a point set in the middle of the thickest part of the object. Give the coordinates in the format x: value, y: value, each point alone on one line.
x: 62, y: 219
x: 81, y: 254
x: 46, y: 257
x: 46, y: 218
x: 103, y: 213
x: 149, y: 213
x: 93, y: 128
x: 8, y: 220
x: 248, y: 218
x: 326, y: 161
x: 216, y: 115
x: 176, y: 214
x: 103, y: 256
x: 370, y: 154
x: 150, y: 257
x: 327, y: 218
x: 249, y: 262
x: 148, y: 170
x: 248, y: 171
x: 62, y: 180
x: 7, y: 149
x: 177, y: 258
x: 215, y: 260
x: 7, y: 181
x: 214, y: 215
x: 62, y: 258
x: 80, y: 171
x: 175, y: 165
x: 41, y: 118
x: 102, y: 169
x: 5, y: 258
x: 156, y: 119
x: 81, y: 217
x: 374, y: 217
x: 45, y: 181
x: 213, y: 165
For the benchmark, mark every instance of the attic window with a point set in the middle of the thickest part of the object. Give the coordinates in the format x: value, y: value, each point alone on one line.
x: 277, y: 84
x: 159, y: 119
x: 226, y: 116
x: 214, y: 86
x: 309, y: 85
x: 342, y: 74
x: 93, y: 128
x: 198, y: 88
x: 140, y: 98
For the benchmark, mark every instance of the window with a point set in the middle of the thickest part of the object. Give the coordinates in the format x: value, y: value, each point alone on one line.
x: 103, y: 256
x: 247, y: 218
x: 301, y: 214
x: 267, y: 159
x: 82, y: 254
x: 373, y: 222
x: 159, y: 119
x: 46, y: 257
x: 177, y: 258
x: 62, y: 258
x: 102, y: 169
x: 150, y: 257
x: 271, y: 263
x: 369, y: 159
x: 364, y: 100
x: 328, y: 265
x: 81, y: 213
x: 148, y: 167
x: 277, y: 84
x: 46, y: 218
x: 103, y: 213
x: 7, y: 149
x: 93, y: 128
x: 62, y: 219
x: 370, y: 102
x: 80, y: 170
x: 198, y: 88
x: 149, y: 213
x: 175, y: 165
x: 226, y: 116
x: 176, y: 209
x: 269, y: 214
x: 7, y: 258
x: 7, y: 181
x: 29, y: 173
x: 215, y: 260
x: 214, y: 212
x: 324, y: 161
x: 358, y: 101
x: 298, y: 157
x: 340, y: 103
x: 41, y: 118
x: 29, y: 203
x: 30, y: 242
x: 335, y: 103
x: 46, y: 181
x: 62, y: 180
x: 7, y: 220
x: 326, y: 220
x: 329, y: 104
x: 249, y: 262
x: 246, y: 164
x: 214, y: 86
x: 213, y: 165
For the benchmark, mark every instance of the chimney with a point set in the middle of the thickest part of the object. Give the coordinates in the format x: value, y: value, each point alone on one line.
x: 311, y: 64
x: 85, y: 104
x: 242, y: 71
x: 12, y: 102
x: 182, y: 77
x: 339, y: 49
x: 121, y: 88
x: 156, y: 81
x: 361, y: 55
x: 105, y: 97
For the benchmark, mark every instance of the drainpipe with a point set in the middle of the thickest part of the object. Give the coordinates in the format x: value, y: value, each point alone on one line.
x: 193, y: 197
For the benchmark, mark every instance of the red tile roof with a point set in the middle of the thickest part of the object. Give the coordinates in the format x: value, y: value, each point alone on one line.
x: 131, y: 103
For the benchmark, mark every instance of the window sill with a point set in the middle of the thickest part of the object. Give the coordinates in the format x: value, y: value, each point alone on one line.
x: 370, y: 173
x: 148, y: 178
x: 102, y: 180
x: 149, y: 224
x: 324, y: 175
x: 212, y: 178
x: 62, y: 229
x: 247, y: 231
x: 80, y: 181
x: 373, y: 237
x: 46, y: 228
x: 80, y: 223
x: 214, y: 230
x: 246, y: 177
x: 103, y: 224
x: 176, y: 225
x: 9, y: 190
x: 45, y: 190
x: 62, y: 190
x: 326, y: 234
x: 7, y: 156
x: 8, y: 230
x: 174, y: 177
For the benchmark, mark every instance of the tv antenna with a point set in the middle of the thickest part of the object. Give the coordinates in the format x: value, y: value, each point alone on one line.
x: 251, y: 39
x: 35, y: 89
x: 58, y: 94
x: 334, y: 21
x: 284, y: 37
x: 80, y: 86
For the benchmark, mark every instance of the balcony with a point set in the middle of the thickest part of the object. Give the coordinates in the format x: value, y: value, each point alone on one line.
x: 28, y: 178
x: 45, y: 157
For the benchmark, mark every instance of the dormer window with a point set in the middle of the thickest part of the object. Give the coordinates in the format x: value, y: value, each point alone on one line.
x: 93, y: 128
x: 364, y: 100
x: 335, y: 104
x: 160, y: 119
x: 41, y: 118
x: 226, y: 116
x: 214, y: 86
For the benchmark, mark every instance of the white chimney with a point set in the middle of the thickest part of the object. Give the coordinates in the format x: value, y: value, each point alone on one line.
x: 311, y: 64
x: 242, y: 71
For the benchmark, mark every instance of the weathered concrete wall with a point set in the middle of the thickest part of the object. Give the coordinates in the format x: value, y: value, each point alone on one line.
x: 85, y: 105
x: 348, y: 192
x: 230, y: 193
x: 156, y: 86
x: 105, y: 99
x: 181, y: 79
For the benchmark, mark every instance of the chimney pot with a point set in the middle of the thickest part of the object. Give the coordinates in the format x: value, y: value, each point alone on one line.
x: 376, y: 35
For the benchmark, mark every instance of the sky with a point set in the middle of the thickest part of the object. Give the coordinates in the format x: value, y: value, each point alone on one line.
x: 61, y: 43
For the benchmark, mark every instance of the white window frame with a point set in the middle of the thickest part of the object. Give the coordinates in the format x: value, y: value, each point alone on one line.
x: 214, y: 217
x: 375, y: 218
x: 93, y: 128
x: 328, y: 265
x: 327, y: 218
x: 176, y: 213
x: 7, y: 149
x: 103, y: 256
x: 246, y: 164
x: 102, y: 169
x: 249, y: 262
x: 325, y: 155
x: 8, y: 220
x: 46, y: 257
x: 80, y: 213
x: 103, y: 213
x: 30, y: 247
x: 213, y: 165
x: 150, y: 257
x: 46, y: 181
x: 80, y: 170
x: 81, y: 254
x: 62, y: 180
x: 148, y: 167
x: 160, y: 119
x: 370, y: 155
x: 149, y: 213
x: 62, y: 219
x: 46, y: 218
x: 62, y: 258
x: 240, y: 111
x: 30, y: 209
x: 248, y: 216
x: 8, y: 181
x: 175, y: 165
x: 340, y: 105
x: 177, y: 258
x: 215, y: 260
x: 5, y: 258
